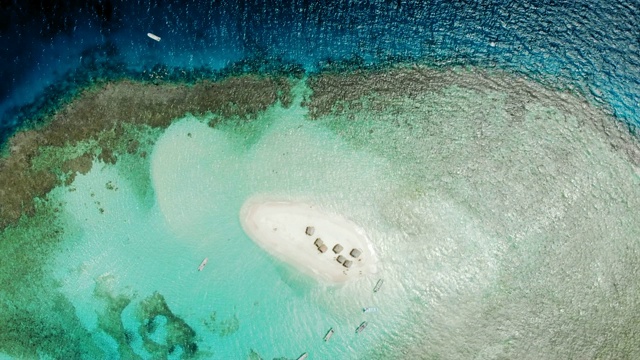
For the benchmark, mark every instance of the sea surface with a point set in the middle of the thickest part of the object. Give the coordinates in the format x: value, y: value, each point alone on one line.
x: 504, y: 217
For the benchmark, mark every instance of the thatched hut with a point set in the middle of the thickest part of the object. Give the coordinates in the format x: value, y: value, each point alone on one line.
x: 355, y: 253
x: 347, y: 263
x: 310, y: 230
x: 340, y: 259
x: 323, y: 248
x: 337, y: 248
x: 318, y: 242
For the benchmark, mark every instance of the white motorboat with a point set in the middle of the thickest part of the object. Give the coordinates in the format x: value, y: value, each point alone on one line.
x: 361, y: 327
x: 328, y: 335
x: 203, y: 264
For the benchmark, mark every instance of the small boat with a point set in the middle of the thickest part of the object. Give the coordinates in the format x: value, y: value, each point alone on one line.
x: 303, y: 356
x: 378, y: 285
x: 203, y: 264
x: 153, y: 36
x: 328, y: 335
x: 361, y: 327
x: 369, y: 309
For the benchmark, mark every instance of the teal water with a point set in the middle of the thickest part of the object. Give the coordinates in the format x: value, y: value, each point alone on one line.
x: 505, y: 227
x: 243, y: 299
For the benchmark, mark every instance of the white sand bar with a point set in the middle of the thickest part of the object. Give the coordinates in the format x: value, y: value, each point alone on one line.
x: 280, y: 228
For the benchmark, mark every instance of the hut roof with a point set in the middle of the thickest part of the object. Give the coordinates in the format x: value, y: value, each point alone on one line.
x: 322, y: 248
x: 340, y: 259
x: 347, y: 263
x: 310, y: 230
x: 337, y: 248
x: 355, y: 253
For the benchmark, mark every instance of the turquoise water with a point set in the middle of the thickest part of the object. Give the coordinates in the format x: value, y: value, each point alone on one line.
x: 500, y: 234
x: 243, y: 299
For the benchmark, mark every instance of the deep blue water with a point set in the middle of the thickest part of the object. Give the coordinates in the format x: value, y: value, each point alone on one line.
x: 49, y: 48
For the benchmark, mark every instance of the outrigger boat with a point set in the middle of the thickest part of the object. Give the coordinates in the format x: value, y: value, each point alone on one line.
x: 203, y: 264
x: 328, y: 335
x: 303, y: 356
x: 153, y: 36
x: 361, y: 327
x: 378, y: 285
x: 369, y: 309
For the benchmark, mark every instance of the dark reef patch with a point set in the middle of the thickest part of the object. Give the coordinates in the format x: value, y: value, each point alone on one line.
x: 110, y: 319
x: 34, y: 317
x: 148, y: 313
x: 81, y: 164
x: 378, y: 90
x: 103, y: 108
x: 224, y: 327
x: 179, y: 333
x: 104, y: 64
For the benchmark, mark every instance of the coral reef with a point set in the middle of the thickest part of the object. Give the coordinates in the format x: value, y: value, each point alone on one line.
x: 101, y: 114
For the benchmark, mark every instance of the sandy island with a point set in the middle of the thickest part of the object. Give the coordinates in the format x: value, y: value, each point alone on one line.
x: 325, y: 246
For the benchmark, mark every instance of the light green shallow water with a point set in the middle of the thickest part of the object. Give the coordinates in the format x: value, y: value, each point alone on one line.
x: 201, y: 177
x: 499, y: 235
